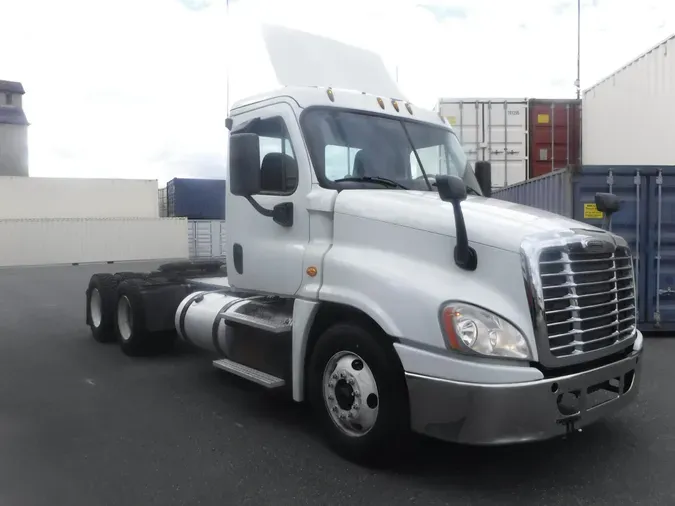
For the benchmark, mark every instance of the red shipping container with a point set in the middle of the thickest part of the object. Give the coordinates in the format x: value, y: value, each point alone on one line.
x: 554, y: 135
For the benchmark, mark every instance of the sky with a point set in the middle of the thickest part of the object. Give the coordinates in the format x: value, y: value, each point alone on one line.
x: 138, y: 88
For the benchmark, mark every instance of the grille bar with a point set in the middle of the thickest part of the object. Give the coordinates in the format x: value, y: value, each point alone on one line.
x: 589, y: 298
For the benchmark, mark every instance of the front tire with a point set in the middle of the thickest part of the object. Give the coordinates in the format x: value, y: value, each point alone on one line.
x: 358, y: 392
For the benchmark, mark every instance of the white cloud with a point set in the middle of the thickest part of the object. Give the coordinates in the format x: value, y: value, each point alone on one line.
x: 137, y: 88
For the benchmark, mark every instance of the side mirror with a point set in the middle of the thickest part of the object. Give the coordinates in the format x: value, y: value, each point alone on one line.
x: 452, y: 189
x: 483, y: 172
x: 244, y: 165
x: 607, y: 203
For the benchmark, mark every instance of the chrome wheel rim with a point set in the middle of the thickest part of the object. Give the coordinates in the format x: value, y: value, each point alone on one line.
x: 350, y: 394
x: 124, y: 318
x: 95, y: 310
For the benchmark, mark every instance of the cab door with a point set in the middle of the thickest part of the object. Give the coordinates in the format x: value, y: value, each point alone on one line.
x: 264, y: 255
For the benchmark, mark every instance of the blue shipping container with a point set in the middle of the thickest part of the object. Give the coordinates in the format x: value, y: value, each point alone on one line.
x: 646, y: 220
x: 196, y: 199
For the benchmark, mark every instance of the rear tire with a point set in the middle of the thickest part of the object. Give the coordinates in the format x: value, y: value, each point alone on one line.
x: 358, y: 392
x: 132, y: 334
x: 101, y: 297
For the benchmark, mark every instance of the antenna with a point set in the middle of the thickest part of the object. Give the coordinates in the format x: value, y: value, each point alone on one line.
x: 227, y: 60
x: 577, y: 83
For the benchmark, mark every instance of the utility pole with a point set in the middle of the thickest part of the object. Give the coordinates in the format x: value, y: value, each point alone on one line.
x: 577, y: 83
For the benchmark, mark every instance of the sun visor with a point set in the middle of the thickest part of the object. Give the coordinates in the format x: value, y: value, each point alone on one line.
x: 303, y: 59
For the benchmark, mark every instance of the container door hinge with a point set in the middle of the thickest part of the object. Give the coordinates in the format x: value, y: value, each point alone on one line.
x: 659, y: 178
x: 636, y: 179
x: 610, y: 179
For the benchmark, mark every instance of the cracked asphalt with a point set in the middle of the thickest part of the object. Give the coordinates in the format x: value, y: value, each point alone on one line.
x: 82, y: 424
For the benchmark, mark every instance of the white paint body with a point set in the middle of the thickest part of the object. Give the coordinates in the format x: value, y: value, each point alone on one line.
x: 493, y: 130
x: 388, y: 253
x: 628, y: 117
x: 46, y: 197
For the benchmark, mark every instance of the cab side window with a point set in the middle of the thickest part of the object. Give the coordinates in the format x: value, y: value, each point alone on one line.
x: 278, y: 165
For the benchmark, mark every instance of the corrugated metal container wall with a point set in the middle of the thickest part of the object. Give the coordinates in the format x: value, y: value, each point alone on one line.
x: 551, y: 192
x: 628, y: 117
x: 66, y: 241
x: 646, y: 220
x: 196, y: 199
x: 206, y: 239
x: 45, y: 197
x: 163, y: 205
x: 494, y: 130
x: 555, y: 135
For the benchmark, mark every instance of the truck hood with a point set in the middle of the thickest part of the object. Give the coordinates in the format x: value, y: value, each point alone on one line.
x: 489, y: 221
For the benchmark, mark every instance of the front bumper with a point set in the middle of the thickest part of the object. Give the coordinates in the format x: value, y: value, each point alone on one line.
x: 492, y: 414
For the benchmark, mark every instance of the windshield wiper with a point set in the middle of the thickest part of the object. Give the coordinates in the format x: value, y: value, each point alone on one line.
x: 373, y: 179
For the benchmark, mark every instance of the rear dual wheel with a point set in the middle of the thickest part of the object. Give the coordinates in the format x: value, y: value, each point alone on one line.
x: 130, y: 328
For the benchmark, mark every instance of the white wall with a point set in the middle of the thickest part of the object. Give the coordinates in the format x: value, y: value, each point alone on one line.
x: 66, y: 241
x: 43, y: 197
x: 629, y: 118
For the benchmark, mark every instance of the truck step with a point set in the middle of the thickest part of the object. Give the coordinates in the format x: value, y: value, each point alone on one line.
x: 270, y: 315
x: 254, y: 375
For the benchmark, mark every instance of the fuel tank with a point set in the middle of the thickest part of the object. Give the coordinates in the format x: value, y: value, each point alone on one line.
x: 200, y: 320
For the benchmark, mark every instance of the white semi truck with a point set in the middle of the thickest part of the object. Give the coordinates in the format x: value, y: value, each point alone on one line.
x: 370, y: 273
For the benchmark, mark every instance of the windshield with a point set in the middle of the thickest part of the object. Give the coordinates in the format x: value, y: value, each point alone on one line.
x: 352, y: 145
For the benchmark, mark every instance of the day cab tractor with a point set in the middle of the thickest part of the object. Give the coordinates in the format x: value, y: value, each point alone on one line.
x: 370, y: 273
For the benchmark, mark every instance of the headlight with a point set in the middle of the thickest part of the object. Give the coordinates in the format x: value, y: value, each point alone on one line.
x: 472, y: 329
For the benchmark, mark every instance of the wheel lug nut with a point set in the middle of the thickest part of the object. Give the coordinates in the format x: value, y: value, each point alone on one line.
x: 331, y: 384
x: 350, y: 381
x: 335, y: 409
x: 331, y: 397
x: 357, y: 394
x: 335, y: 376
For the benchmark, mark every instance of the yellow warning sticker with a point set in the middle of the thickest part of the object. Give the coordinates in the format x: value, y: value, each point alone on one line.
x: 591, y: 212
x: 542, y: 118
x: 451, y: 119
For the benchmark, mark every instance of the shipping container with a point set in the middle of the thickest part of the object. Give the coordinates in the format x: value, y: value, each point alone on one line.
x: 521, y: 138
x: 206, y: 239
x: 628, y: 117
x: 163, y: 204
x: 46, y: 197
x: 554, y: 135
x: 646, y: 220
x: 68, y: 241
x: 196, y: 199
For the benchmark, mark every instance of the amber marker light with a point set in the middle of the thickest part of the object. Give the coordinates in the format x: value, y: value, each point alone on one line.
x: 449, y: 314
x: 395, y: 104
x: 312, y: 271
x: 330, y: 94
x: 409, y: 107
x: 381, y: 102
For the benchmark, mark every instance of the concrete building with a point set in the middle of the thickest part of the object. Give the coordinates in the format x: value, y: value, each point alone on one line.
x: 13, y: 130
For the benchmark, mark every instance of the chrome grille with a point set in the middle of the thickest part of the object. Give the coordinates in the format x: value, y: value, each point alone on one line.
x: 589, y: 299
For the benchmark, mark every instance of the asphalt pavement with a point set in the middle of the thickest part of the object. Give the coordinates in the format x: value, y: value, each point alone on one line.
x: 82, y: 424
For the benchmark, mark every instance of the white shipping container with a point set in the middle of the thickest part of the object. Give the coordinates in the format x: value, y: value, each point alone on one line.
x: 46, y: 197
x: 68, y: 241
x: 629, y: 117
x: 494, y: 130
x: 206, y: 238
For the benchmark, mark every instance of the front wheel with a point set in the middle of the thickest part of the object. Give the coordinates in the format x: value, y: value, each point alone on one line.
x: 357, y: 389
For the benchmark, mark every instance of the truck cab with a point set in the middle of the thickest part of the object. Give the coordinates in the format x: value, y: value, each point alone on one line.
x: 370, y: 273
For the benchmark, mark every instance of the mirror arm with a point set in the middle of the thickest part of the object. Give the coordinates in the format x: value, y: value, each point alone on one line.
x: 282, y: 214
x: 465, y: 256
